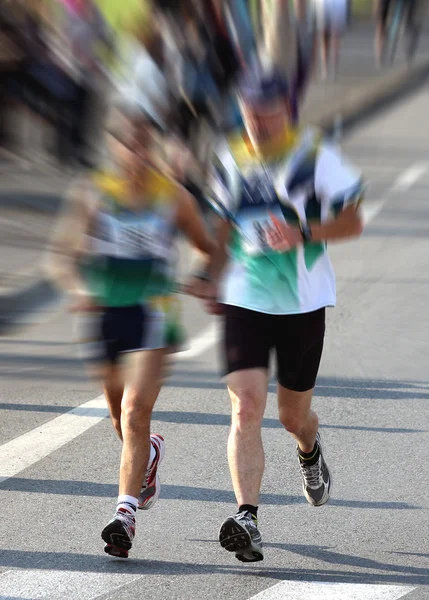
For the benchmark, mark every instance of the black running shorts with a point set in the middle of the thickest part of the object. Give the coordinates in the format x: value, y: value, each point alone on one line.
x: 115, y: 331
x: 250, y: 336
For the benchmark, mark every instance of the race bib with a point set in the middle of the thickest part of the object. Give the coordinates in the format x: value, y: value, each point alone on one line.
x: 139, y: 239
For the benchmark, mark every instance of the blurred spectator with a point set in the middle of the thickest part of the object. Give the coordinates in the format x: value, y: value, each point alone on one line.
x: 287, y: 39
x: 88, y: 35
x: 415, y: 12
x: 332, y: 16
x: 306, y: 31
x: 279, y: 44
x: 14, y: 54
x: 49, y: 89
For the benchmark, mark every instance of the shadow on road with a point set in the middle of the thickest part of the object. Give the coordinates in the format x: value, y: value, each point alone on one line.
x: 67, y: 561
x: 179, y: 492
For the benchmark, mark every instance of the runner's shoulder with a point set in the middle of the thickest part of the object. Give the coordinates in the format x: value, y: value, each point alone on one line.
x: 82, y: 195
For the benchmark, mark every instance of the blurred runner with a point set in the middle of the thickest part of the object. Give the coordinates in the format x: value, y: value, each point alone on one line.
x: 114, y: 253
x: 282, y: 194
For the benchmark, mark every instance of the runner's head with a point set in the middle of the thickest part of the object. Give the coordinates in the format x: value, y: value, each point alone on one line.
x: 266, y: 106
x: 133, y: 139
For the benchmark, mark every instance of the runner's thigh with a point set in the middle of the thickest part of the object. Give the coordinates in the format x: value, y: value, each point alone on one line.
x: 299, y: 345
x: 247, y: 341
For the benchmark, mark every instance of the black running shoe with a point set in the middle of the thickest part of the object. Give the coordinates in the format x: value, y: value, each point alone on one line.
x: 241, y: 535
x: 316, y: 479
x: 119, y: 534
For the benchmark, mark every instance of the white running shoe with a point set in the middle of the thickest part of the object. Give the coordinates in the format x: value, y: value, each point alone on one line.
x: 151, y: 487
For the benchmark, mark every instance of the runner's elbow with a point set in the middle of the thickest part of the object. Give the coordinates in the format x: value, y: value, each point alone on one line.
x: 358, y: 225
x: 208, y: 246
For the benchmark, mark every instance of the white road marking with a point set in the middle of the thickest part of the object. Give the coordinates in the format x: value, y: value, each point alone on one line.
x: 402, y: 184
x: 27, y: 449
x: 298, y: 590
x: 371, y: 210
x: 52, y: 584
x: 409, y: 177
x: 201, y: 343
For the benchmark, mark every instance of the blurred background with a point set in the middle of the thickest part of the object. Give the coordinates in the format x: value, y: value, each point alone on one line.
x: 63, y: 61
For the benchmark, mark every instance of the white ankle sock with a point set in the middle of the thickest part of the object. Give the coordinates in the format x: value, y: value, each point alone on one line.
x: 128, y: 503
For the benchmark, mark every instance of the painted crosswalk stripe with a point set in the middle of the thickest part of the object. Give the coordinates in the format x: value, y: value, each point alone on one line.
x: 402, y: 184
x: 27, y: 449
x: 298, y: 590
x: 39, y: 584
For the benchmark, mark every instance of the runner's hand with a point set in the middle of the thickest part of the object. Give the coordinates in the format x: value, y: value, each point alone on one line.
x: 83, y: 303
x: 208, y: 292
x: 205, y: 290
x: 213, y: 307
x: 281, y: 236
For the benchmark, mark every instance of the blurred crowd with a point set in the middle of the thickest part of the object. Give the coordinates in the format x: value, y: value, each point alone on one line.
x: 62, y: 62
x: 53, y: 60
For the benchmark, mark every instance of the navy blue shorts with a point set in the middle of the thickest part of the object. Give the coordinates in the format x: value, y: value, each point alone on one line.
x: 106, y: 335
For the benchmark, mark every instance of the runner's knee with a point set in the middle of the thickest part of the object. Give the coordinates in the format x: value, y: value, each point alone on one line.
x: 136, y: 413
x: 294, y: 410
x: 247, y: 407
x: 293, y: 423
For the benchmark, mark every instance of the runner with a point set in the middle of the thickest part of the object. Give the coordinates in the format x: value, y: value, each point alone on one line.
x: 113, y: 252
x: 273, y: 288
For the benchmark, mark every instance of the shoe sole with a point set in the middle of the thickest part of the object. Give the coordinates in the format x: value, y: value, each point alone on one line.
x: 149, y: 502
x: 117, y: 544
x: 235, y: 538
x: 115, y: 551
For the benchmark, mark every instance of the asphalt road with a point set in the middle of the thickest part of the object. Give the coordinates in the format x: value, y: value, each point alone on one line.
x: 369, y: 543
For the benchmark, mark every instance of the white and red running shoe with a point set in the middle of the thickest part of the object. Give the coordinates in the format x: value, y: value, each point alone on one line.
x: 151, y: 487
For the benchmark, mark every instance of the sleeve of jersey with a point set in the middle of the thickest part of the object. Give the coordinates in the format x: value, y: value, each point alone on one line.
x: 337, y: 182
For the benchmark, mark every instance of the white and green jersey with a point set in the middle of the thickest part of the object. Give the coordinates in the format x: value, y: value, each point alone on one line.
x: 312, y: 184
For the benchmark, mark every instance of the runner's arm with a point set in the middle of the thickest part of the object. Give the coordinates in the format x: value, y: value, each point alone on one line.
x: 220, y: 257
x: 348, y: 224
x: 340, y: 185
x: 66, y: 241
x: 340, y: 190
x: 190, y: 222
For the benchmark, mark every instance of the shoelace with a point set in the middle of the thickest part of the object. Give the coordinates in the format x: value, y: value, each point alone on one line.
x: 128, y: 522
x: 311, y: 473
x: 254, y: 531
x: 245, y: 516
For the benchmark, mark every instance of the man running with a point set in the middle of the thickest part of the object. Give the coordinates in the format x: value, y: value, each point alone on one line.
x: 113, y: 252
x: 273, y: 290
